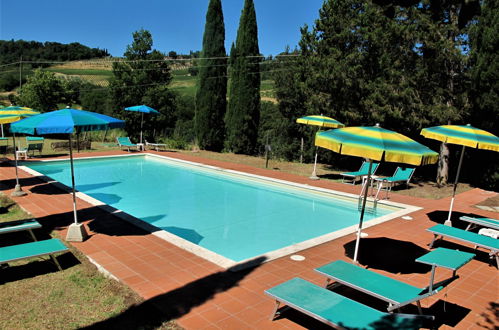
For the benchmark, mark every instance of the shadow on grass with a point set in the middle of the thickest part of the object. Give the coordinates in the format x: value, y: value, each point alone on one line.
x: 391, y: 255
x: 37, y: 267
x: 176, y: 303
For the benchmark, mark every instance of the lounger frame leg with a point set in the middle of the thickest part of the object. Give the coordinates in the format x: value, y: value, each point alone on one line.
x: 420, y: 310
x: 433, y: 241
x: 54, y: 259
x: 277, y: 304
x: 32, y: 234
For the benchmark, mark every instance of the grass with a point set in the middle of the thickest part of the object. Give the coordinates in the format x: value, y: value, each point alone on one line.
x: 37, y: 296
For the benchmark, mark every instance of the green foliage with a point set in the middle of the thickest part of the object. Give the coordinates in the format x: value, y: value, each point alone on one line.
x: 484, y: 94
x: 211, y: 97
x: 143, y: 79
x: 184, y: 126
x: 243, y: 113
x: 96, y: 100
x: 485, y: 68
x: 43, y: 91
x: 12, y: 50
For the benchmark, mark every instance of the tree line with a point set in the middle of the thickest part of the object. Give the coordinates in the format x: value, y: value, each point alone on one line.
x: 13, y: 50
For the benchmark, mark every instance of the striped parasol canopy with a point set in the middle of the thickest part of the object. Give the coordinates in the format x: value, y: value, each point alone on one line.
x: 321, y: 121
x: 14, y: 113
x: 376, y: 143
x: 466, y: 136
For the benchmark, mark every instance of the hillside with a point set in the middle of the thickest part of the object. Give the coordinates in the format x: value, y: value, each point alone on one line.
x: 99, y: 72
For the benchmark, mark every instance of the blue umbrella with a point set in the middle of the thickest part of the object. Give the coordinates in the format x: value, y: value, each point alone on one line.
x: 143, y: 109
x: 67, y: 121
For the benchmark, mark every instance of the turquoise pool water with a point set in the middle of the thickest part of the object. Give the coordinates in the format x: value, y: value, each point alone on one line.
x: 233, y: 216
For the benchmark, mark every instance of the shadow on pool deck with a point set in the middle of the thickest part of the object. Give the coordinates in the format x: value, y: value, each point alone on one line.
x: 388, y: 254
x: 178, y: 302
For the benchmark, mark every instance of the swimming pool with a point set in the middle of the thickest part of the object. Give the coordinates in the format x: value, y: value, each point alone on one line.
x: 231, y: 217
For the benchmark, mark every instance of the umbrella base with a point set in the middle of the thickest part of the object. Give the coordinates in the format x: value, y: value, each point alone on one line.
x: 18, y: 191
x: 76, y: 233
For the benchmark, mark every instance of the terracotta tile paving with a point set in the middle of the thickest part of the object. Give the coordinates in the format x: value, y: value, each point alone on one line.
x: 201, y: 295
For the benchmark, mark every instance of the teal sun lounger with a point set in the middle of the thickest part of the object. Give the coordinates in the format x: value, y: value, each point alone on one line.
x: 396, y: 293
x: 484, y: 222
x: 475, y: 239
x: 124, y: 142
x: 364, y: 168
x: 31, y: 250
x: 20, y: 225
x: 334, y: 309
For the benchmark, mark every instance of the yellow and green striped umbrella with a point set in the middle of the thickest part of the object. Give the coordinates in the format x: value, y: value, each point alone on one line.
x: 14, y: 113
x: 466, y: 136
x: 321, y: 121
x: 375, y: 143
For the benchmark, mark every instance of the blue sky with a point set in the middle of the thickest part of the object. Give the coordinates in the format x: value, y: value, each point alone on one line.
x: 175, y: 24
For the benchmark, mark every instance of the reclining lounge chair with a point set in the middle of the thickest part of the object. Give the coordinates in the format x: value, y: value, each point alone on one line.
x: 124, y: 142
x: 334, y: 309
x: 156, y: 146
x: 354, y: 176
x: 396, y: 293
x: 484, y: 222
x: 31, y: 250
x: 475, y: 239
x: 401, y: 176
x: 19, y: 225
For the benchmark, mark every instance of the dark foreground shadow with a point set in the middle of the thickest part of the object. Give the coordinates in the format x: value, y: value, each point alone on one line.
x: 37, y: 267
x: 490, y: 317
x: 441, y: 215
x: 391, y: 255
x: 154, y: 312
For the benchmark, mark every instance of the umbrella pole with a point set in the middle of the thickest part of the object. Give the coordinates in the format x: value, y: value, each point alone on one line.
x: 2, y: 130
x: 141, y: 122
x: 314, y: 173
x: 72, y: 179
x: 18, y: 191
x: 76, y: 231
x: 359, y: 230
x: 448, y: 222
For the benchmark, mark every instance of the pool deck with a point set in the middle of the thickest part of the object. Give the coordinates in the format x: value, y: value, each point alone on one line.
x: 201, y: 295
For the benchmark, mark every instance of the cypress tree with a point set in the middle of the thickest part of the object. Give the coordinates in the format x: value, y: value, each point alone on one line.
x: 243, y: 113
x: 211, y: 97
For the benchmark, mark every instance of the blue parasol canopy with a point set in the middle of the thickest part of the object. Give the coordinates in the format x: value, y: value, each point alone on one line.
x: 142, y: 108
x: 65, y: 121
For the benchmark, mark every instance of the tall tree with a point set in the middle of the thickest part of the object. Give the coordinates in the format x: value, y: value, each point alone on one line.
x: 485, y: 88
x: 43, y: 91
x: 485, y: 68
x: 211, y: 96
x: 243, y: 113
x: 143, y: 78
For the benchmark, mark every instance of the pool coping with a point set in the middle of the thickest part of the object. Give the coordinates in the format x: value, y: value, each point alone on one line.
x: 210, y: 255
